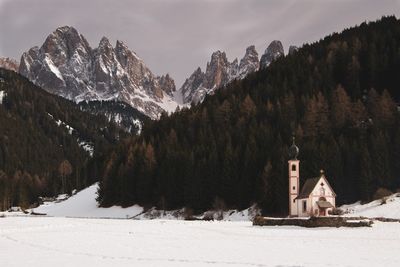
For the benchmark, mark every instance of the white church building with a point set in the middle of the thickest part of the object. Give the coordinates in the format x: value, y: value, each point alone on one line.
x: 316, y: 197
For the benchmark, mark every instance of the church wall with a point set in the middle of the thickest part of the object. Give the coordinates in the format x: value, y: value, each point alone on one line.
x: 301, y: 212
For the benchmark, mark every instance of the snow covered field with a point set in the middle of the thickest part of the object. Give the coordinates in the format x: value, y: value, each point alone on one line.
x: 50, y: 241
x: 389, y: 209
x: 96, y: 241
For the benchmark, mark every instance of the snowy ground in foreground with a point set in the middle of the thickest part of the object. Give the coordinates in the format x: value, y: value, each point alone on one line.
x: 391, y: 209
x: 84, y: 205
x: 51, y: 241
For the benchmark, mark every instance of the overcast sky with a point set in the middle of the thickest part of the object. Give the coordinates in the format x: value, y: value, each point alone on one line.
x: 177, y: 36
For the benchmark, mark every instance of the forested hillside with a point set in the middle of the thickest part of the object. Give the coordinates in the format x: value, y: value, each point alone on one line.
x: 47, y: 144
x: 119, y: 112
x: 338, y: 96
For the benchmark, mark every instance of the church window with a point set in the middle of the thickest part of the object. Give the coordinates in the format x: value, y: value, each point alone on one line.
x: 294, y: 200
x: 293, y: 167
x: 304, y: 205
x: 294, y: 188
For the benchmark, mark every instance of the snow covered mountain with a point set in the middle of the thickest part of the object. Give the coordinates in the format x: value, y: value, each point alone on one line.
x: 9, y: 64
x: 66, y: 65
x: 220, y: 71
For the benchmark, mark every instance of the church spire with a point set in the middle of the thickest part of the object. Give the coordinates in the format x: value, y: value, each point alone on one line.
x: 293, y: 150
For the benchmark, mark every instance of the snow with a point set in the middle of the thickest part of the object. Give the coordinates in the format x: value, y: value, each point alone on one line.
x: 47, y: 241
x: 84, y: 205
x: 88, y: 147
x: 139, y: 125
x: 55, y: 241
x: 102, y: 66
x: 376, y: 208
x: 60, y: 122
x: 53, y: 68
x: 2, y: 95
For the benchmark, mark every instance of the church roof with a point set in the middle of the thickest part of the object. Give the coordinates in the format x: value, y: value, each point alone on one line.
x: 310, y: 184
x: 308, y: 187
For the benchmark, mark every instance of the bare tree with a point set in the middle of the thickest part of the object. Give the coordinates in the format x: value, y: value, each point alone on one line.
x: 65, y: 170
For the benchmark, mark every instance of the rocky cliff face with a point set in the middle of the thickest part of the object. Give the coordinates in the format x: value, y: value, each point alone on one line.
x: 292, y: 49
x: 219, y: 71
x: 66, y: 65
x: 9, y: 64
x: 273, y: 51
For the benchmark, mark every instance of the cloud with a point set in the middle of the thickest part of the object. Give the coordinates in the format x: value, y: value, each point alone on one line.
x: 176, y: 36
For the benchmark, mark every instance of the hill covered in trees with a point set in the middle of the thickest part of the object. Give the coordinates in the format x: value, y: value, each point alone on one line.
x: 338, y: 96
x: 47, y: 144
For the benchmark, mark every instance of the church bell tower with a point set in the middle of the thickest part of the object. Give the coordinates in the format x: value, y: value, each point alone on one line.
x: 294, y: 177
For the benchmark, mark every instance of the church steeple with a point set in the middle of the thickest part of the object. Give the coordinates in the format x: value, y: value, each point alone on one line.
x: 294, y: 177
x: 293, y: 150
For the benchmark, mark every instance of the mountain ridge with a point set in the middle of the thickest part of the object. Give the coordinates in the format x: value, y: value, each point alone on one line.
x: 219, y: 71
x: 66, y: 65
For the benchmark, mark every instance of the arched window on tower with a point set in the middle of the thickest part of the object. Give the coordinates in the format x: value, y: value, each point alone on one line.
x: 294, y: 167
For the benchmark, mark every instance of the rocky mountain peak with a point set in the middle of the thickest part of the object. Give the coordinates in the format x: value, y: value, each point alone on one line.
x: 273, y: 51
x: 219, y: 71
x: 105, y: 46
x: 63, y: 43
x: 191, y: 86
x: 168, y: 84
x: 67, y: 66
x: 249, y: 63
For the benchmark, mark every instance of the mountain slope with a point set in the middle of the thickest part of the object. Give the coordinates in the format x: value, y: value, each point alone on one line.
x: 84, y: 205
x: 118, y: 112
x: 38, y: 132
x: 389, y: 207
x: 337, y: 95
x: 66, y: 65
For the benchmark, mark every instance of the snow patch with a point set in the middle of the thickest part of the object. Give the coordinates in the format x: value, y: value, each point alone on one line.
x: 84, y: 205
x: 388, y: 207
x: 2, y: 95
x: 53, y: 68
x: 60, y: 122
x: 139, y: 125
x: 87, y: 146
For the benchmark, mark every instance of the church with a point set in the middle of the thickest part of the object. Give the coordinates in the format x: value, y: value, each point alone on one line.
x: 316, y: 197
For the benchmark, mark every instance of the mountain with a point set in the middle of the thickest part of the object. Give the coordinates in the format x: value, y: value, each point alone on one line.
x: 220, y: 71
x: 338, y: 95
x: 273, y: 52
x: 41, y: 135
x: 66, y: 65
x: 9, y: 64
x: 292, y: 49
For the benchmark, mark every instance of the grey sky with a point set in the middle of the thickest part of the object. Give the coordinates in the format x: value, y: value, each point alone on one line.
x: 177, y: 36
